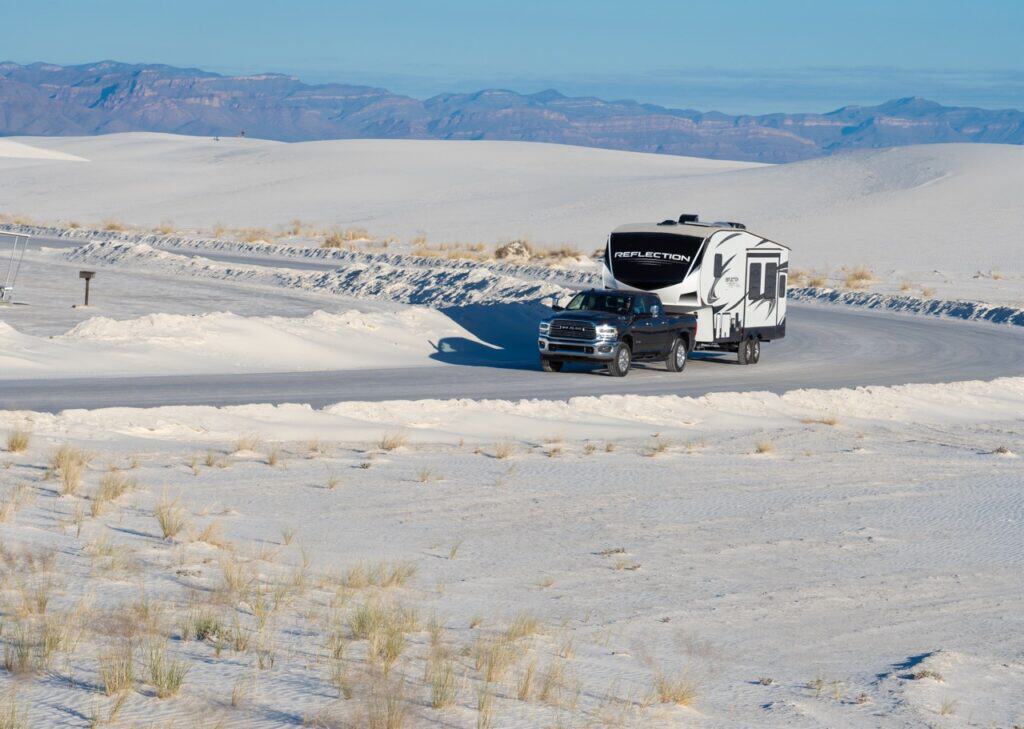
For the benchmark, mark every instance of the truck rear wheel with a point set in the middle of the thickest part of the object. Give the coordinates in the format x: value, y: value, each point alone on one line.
x: 676, y: 360
x: 551, y: 365
x: 622, y: 357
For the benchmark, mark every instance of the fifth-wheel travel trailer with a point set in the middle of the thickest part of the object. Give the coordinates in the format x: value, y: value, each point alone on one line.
x: 733, y: 280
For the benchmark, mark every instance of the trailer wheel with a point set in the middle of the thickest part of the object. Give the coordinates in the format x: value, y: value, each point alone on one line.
x: 551, y: 365
x: 676, y: 360
x: 745, y: 352
x: 622, y: 357
x: 755, y: 351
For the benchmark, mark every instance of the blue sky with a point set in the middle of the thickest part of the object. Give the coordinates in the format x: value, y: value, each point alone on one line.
x: 731, y: 55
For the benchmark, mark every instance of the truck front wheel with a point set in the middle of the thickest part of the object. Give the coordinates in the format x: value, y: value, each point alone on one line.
x: 551, y: 365
x: 622, y: 357
x: 676, y: 360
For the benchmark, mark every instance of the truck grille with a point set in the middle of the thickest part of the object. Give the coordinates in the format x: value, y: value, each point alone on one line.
x: 570, y: 329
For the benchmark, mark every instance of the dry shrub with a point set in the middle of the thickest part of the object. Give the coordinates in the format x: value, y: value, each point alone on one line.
x: 817, y: 280
x: 656, y: 447
x: 254, y: 235
x: 166, y: 227
x: 831, y: 420
x: 504, y: 449
x: 859, y: 277
x: 344, y: 238
x: 680, y: 691
x: 764, y: 448
x: 18, y: 440
x: 114, y: 226
x: 797, y: 277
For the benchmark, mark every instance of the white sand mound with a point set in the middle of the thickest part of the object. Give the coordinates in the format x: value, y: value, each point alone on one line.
x: 226, y: 343
x: 18, y: 150
x: 950, y: 207
x: 580, y: 418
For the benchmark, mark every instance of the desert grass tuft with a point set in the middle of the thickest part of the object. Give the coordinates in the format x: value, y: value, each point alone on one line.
x: 859, y: 277
x: 522, y: 625
x: 392, y: 441
x: 117, y: 668
x: 247, y: 443
x: 69, y: 464
x: 12, y: 715
x: 166, y: 674
x: 171, y: 517
x: 764, y: 448
x: 18, y: 440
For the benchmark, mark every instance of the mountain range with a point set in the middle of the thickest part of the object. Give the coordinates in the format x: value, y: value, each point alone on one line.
x: 109, y: 96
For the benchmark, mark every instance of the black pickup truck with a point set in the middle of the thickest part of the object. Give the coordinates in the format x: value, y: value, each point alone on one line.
x: 615, y: 328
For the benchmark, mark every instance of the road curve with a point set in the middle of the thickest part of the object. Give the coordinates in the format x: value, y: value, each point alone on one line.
x: 826, y: 347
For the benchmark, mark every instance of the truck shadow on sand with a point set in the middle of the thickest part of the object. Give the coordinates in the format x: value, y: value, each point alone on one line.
x: 506, y: 338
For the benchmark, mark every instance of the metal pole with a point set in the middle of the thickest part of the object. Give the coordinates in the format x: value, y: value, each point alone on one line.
x: 86, y: 292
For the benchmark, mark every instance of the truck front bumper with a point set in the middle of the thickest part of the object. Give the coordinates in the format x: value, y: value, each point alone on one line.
x: 576, y: 349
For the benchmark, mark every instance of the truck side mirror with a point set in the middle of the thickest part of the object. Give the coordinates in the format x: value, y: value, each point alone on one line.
x: 556, y: 307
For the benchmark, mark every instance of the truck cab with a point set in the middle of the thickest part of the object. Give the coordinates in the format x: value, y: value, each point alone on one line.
x: 615, y: 328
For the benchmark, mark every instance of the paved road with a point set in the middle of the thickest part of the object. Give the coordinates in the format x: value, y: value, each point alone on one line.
x: 827, y: 346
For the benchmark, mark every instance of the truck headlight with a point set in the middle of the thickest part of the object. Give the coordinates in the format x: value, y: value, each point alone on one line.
x: 545, y: 327
x: 606, y: 330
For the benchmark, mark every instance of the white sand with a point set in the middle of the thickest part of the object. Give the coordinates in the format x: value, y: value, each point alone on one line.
x: 226, y: 343
x: 836, y: 568
x: 955, y: 208
x: 11, y: 149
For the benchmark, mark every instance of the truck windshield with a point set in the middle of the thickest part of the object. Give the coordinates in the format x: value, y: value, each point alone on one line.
x: 601, y: 301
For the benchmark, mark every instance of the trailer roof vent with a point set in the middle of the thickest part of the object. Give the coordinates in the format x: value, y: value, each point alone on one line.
x: 667, y: 222
x: 689, y: 218
x: 738, y: 226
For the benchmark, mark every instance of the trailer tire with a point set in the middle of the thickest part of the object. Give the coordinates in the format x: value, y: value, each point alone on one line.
x: 551, y: 365
x: 745, y: 352
x: 622, y: 357
x: 677, y: 355
x: 755, y: 351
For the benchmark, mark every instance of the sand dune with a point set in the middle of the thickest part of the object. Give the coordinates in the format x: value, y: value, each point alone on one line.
x: 914, y: 208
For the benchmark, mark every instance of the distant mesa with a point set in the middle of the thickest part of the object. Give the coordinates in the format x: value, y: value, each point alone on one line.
x: 108, y: 96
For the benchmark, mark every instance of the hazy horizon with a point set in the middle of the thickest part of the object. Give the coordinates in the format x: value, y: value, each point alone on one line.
x: 734, y: 56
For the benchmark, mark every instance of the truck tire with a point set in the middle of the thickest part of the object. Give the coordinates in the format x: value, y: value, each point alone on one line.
x: 551, y: 365
x: 622, y: 357
x: 676, y: 360
x: 745, y: 353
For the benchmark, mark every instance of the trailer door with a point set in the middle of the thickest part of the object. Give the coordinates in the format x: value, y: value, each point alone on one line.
x: 761, y: 304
